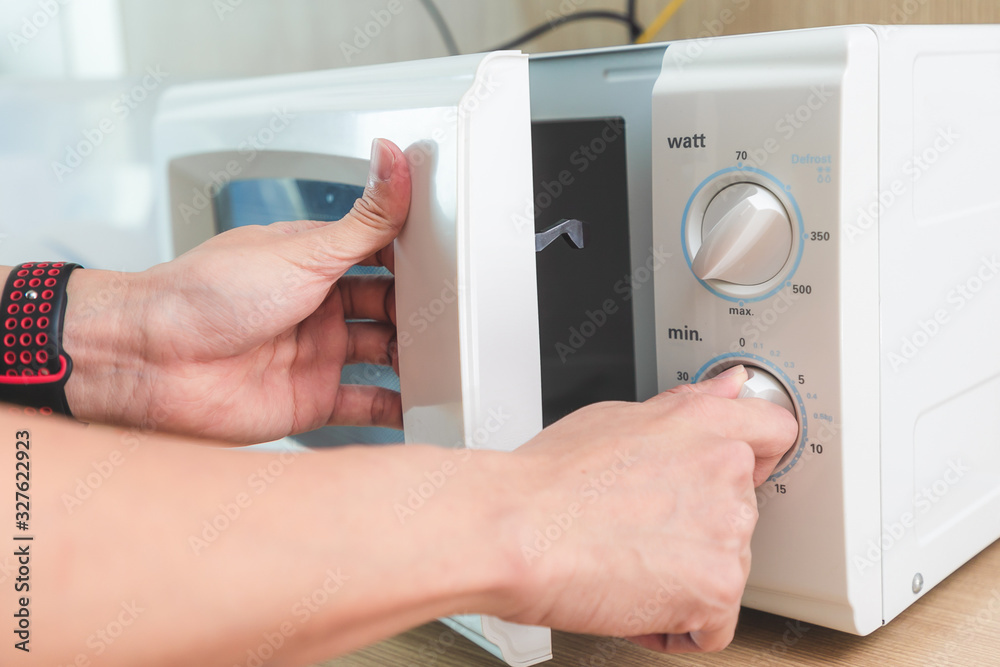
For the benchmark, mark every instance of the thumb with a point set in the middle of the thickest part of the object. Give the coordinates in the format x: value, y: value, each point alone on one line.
x: 724, y: 385
x: 374, y: 221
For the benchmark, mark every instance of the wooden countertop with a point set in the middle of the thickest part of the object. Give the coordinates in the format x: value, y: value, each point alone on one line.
x: 957, y: 623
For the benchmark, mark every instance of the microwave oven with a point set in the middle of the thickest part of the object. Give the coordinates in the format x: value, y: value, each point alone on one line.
x: 815, y: 204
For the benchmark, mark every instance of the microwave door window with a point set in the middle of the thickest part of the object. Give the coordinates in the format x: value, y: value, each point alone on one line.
x: 586, y: 328
x: 268, y: 200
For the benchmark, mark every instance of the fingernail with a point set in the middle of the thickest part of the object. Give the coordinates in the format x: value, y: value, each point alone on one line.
x: 730, y: 372
x: 393, y: 352
x: 383, y: 159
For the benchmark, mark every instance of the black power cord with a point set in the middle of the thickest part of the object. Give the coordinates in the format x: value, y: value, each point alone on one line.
x: 628, y: 18
x: 634, y: 28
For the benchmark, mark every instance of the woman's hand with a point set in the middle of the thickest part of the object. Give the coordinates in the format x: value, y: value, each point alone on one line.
x: 244, y: 337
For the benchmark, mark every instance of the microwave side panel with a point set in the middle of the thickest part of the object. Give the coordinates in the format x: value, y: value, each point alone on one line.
x: 939, y: 241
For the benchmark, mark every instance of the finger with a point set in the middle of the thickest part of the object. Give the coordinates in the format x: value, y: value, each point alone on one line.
x: 767, y: 451
x: 669, y: 643
x: 369, y: 298
x: 724, y: 385
x: 656, y: 643
x: 768, y: 429
x: 297, y: 226
x: 758, y: 422
x: 715, y: 639
x: 700, y: 641
x: 364, y: 405
x: 373, y: 223
x: 371, y: 343
x: 662, y: 643
x: 385, y: 257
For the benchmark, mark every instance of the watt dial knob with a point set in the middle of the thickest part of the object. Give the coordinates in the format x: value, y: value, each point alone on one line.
x: 746, y: 236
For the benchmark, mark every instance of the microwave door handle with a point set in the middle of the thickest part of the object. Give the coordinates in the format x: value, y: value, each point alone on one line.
x: 574, y: 231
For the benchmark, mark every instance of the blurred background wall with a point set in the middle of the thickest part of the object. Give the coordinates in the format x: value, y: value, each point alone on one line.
x: 83, y: 76
x: 199, y: 38
x: 258, y: 36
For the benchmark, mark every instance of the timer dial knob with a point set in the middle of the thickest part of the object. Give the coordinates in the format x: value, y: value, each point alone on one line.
x: 761, y: 384
x: 746, y: 236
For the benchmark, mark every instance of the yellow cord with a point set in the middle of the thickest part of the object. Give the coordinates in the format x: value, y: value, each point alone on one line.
x: 657, y: 25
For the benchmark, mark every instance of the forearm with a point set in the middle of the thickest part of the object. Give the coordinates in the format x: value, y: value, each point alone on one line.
x: 213, y: 553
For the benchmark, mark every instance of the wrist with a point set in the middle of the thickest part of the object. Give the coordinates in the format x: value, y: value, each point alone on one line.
x: 422, y: 532
x: 500, y: 514
x: 459, y: 503
x: 530, y: 547
x: 101, y: 334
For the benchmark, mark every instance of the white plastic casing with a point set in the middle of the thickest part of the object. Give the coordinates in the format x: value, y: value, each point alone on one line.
x: 939, y: 236
x: 466, y: 294
x: 878, y: 141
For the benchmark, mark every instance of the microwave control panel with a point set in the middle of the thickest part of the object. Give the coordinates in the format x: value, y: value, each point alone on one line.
x: 749, y: 175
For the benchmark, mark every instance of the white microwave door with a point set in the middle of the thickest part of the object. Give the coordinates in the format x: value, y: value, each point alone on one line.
x: 465, y: 262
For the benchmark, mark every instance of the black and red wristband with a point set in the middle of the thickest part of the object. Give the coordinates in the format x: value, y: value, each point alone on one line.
x: 34, y: 366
